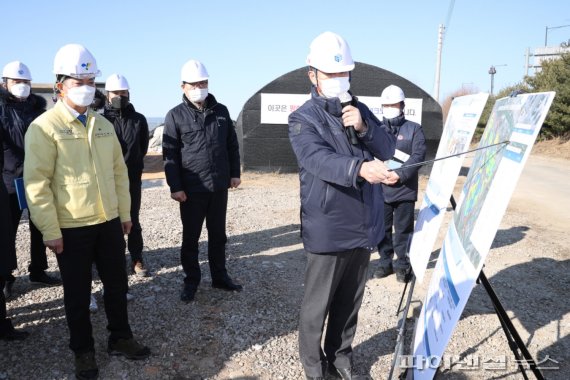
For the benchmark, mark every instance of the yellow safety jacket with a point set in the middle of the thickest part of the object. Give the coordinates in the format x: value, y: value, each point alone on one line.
x: 74, y: 175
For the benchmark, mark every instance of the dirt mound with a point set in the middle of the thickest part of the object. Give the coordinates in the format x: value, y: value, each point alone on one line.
x: 559, y: 148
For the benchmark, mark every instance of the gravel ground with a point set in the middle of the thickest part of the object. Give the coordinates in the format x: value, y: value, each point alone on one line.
x: 253, y: 334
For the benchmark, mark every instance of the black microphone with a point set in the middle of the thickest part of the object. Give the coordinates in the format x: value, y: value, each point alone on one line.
x: 346, y: 100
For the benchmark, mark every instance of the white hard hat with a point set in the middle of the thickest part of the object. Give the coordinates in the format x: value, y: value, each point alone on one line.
x: 330, y: 53
x: 193, y: 71
x: 116, y: 82
x: 392, y: 95
x: 16, y: 70
x: 75, y: 61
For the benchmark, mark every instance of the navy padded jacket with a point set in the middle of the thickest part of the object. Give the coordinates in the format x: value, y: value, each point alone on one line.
x: 339, y: 210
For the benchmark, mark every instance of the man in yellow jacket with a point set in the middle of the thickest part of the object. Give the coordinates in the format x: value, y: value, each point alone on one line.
x: 77, y: 190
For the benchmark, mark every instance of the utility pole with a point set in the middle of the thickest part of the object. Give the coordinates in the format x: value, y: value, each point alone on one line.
x: 440, y: 36
x: 527, y: 62
x: 492, y: 72
x: 438, y: 62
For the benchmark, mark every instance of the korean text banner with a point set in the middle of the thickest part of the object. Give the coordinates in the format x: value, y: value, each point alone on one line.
x: 275, y: 108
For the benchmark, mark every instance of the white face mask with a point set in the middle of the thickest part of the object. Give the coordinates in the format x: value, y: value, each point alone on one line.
x: 81, y: 96
x: 20, y: 90
x: 197, y: 95
x: 391, y: 112
x: 333, y: 87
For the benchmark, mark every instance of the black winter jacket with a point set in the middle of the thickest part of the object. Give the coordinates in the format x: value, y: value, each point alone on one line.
x: 7, y: 242
x: 15, y: 118
x: 200, y: 147
x: 132, y: 131
x: 410, y: 139
x: 339, y: 210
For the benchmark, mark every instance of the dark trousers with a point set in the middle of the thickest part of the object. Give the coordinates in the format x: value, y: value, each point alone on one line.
x: 334, y: 286
x: 135, y: 239
x: 5, y: 323
x: 211, y: 206
x: 104, y: 245
x: 400, y: 216
x: 7, y: 254
x: 38, y: 257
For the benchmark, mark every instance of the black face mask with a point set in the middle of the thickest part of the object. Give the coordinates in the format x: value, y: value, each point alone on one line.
x: 119, y: 102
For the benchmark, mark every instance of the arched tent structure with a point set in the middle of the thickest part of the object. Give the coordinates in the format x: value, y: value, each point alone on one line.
x: 263, y: 133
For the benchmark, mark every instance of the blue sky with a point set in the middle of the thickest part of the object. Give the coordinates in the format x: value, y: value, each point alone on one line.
x: 245, y: 44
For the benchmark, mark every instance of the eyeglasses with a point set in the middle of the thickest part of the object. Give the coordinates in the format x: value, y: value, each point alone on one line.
x: 201, y: 84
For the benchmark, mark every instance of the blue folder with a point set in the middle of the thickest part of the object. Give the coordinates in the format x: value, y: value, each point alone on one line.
x: 21, y: 193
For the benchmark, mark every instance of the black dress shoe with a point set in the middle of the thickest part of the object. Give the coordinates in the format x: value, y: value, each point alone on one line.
x: 8, y: 289
x: 14, y: 334
x: 42, y: 278
x: 404, y: 275
x: 86, y: 366
x: 226, y: 284
x: 344, y: 374
x: 334, y: 373
x: 383, y: 271
x: 188, y: 293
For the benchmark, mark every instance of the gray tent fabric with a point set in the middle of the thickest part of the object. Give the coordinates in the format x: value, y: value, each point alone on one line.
x: 266, y: 147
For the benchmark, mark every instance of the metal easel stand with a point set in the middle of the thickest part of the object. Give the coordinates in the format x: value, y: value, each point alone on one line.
x: 514, y: 340
x: 402, y: 328
x: 516, y: 344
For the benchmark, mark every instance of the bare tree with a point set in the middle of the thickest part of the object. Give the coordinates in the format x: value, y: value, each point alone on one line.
x: 459, y: 92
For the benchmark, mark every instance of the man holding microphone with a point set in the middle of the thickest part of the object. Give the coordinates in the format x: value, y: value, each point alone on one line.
x: 336, y: 144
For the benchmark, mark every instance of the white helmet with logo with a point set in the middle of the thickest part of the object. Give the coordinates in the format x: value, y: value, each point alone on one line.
x: 74, y: 60
x: 392, y: 95
x: 193, y: 71
x: 330, y: 53
x: 16, y: 70
x: 116, y: 82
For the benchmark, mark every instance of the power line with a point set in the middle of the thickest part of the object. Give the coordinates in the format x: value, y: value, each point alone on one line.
x: 440, y: 38
x: 449, y: 13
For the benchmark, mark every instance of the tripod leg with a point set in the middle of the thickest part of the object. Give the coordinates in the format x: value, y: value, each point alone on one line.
x: 512, y: 343
x: 510, y: 331
x: 402, y: 326
x: 402, y: 297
